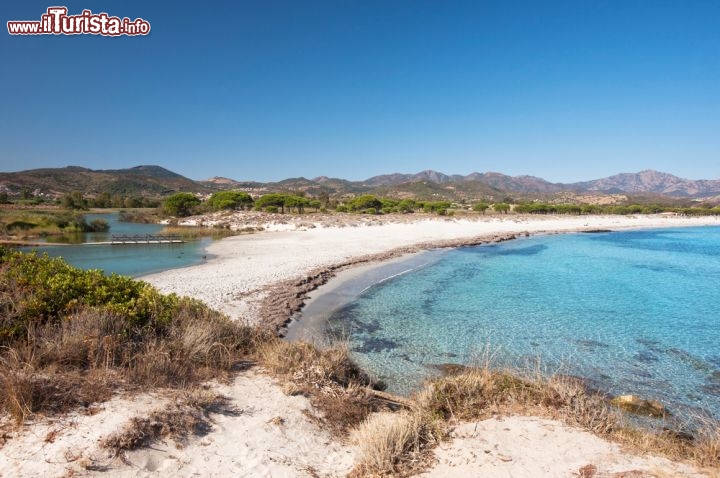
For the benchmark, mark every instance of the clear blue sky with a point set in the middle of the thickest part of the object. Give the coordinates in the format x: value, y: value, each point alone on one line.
x: 264, y: 90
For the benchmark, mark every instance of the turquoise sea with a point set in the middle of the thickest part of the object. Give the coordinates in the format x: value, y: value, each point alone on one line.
x: 631, y: 312
x: 133, y: 260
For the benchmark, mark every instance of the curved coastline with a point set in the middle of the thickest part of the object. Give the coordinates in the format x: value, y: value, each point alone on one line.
x: 266, y: 278
x: 238, y: 276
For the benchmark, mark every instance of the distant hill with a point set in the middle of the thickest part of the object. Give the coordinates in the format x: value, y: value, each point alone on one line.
x: 150, y: 181
x: 644, y: 182
x: 649, y: 181
x: 426, y: 185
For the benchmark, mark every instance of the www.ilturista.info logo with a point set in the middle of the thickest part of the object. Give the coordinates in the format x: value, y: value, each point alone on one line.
x: 57, y: 22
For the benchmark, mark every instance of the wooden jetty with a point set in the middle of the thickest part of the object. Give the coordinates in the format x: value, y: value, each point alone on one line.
x: 141, y: 239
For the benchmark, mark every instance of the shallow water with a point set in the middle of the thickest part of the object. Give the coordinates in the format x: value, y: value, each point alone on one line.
x: 633, y: 312
x: 126, y: 259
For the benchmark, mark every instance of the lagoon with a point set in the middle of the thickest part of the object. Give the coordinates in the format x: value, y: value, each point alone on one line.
x: 127, y: 259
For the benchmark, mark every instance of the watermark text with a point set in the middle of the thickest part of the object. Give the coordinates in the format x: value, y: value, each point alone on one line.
x: 57, y: 22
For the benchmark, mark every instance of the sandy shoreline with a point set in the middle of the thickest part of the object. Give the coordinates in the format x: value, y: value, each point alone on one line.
x: 262, y: 278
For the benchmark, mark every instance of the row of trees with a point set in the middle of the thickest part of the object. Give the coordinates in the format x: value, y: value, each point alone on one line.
x: 184, y: 204
x: 578, y: 209
x: 77, y: 200
x: 369, y: 204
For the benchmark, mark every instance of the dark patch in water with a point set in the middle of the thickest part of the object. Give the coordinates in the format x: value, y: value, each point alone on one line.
x: 652, y: 345
x: 367, y: 327
x: 506, y: 251
x: 405, y: 357
x: 714, y: 360
x: 657, y: 241
x: 653, y: 267
x: 466, y: 273
x: 711, y: 388
x: 428, y: 305
x: 375, y: 345
x: 448, y: 354
x: 646, y: 356
x: 522, y: 251
x: 591, y: 344
x: 345, y: 320
x: 596, y: 231
x: 689, y: 359
x: 642, y: 373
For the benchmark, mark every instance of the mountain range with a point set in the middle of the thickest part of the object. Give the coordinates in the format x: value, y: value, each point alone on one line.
x: 643, y: 183
x: 157, y: 181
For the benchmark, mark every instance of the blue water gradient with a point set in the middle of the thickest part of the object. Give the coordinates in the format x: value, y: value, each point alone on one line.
x: 632, y: 312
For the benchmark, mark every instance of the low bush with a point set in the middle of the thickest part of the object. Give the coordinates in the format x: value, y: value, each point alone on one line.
x: 69, y: 337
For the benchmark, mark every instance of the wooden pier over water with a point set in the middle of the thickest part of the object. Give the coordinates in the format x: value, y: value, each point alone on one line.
x: 141, y: 239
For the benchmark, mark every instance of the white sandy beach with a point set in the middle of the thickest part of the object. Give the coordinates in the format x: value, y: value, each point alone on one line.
x: 240, y: 268
x: 274, y: 435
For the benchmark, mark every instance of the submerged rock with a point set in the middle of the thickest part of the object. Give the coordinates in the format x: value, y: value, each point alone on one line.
x: 640, y: 406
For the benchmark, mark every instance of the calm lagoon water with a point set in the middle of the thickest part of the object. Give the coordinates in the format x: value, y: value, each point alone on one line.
x: 633, y: 312
x: 133, y: 260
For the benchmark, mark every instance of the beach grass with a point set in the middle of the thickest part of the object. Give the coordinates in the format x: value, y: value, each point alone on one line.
x: 336, y: 386
x: 189, y: 414
x: 391, y: 445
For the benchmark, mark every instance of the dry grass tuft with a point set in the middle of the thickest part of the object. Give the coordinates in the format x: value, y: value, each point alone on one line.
x: 477, y: 393
x: 59, y: 366
x: 388, y: 442
x: 706, y: 450
x: 335, y: 385
x: 305, y: 364
x: 191, y: 415
x: 24, y: 391
x: 385, y: 440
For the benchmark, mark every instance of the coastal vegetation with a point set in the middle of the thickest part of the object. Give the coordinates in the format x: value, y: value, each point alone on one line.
x: 281, y: 202
x: 185, y: 204
x: 181, y: 204
x: 70, y: 339
x: 394, y: 443
x: 22, y: 224
x: 230, y: 200
x: 105, y: 200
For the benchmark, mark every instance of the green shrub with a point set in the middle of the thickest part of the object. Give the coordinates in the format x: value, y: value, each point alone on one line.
x: 98, y: 225
x: 38, y: 289
x: 70, y: 337
x: 229, y: 200
x: 365, y: 202
x: 181, y: 204
x: 406, y: 206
